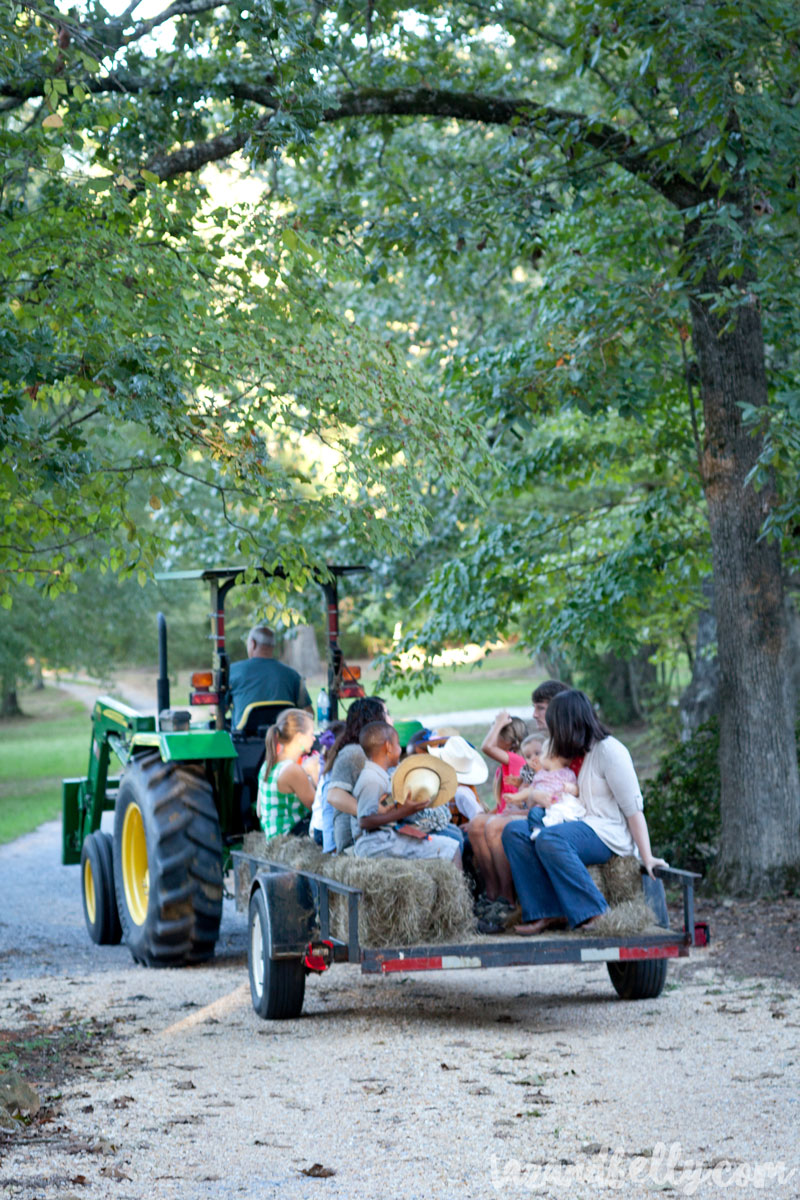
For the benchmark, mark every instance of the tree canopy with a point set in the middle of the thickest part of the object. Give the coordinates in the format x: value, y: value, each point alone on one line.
x: 578, y: 224
x: 165, y: 362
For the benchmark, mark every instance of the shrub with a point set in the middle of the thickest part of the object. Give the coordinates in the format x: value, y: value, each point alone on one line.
x: 682, y: 801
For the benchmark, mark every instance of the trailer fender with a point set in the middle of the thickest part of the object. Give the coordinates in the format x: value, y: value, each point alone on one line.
x: 291, y: 911
x: 655, y: 897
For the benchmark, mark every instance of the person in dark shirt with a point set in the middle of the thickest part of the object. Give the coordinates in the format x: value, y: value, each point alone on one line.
x: 261, y: 677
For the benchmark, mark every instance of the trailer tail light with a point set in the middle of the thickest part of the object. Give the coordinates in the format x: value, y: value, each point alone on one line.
x: 318, y: 956
x: 702, y: 933
x: 203, y: 698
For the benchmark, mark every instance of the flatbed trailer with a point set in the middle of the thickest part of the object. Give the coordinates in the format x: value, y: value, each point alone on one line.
x: 289, y: 937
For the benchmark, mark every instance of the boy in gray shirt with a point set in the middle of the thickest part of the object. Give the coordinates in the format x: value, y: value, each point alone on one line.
x: 376, y: 836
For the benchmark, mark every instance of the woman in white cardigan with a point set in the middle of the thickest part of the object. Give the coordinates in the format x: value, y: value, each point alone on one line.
x: 553, y: 885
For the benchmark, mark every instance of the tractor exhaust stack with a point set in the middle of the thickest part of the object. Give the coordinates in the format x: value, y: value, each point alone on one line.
x: 162, y: 683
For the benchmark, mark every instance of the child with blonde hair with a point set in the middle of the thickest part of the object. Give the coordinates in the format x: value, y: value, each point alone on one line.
x: 287, y: 779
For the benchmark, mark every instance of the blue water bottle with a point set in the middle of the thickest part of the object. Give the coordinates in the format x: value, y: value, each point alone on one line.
x: 323, y: 706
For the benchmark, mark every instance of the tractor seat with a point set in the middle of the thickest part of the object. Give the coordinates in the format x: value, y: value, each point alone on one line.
x: 257, y: 718
x: 248, y: 741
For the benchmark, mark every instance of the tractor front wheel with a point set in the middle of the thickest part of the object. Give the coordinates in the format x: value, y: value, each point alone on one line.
x: 167, y: 862
x: 97, y: 889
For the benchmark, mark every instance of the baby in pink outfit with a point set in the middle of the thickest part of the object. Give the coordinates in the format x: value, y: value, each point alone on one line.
x: 554, y: 787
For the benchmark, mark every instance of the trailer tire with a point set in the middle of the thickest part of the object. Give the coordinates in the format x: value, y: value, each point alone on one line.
x: 167, y: 862
x: 642, y: 980
x: 277, y: 985
x: 97, y: 890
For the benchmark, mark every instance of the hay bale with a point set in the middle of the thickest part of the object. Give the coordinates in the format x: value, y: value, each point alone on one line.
x: 397, y: 902
x: 408, y: 902
x: 628, y: 917
x: 620, y: 879
x: 404, y: 902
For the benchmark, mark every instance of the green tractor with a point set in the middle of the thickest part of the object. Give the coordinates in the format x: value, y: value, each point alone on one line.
x: 183, y: 797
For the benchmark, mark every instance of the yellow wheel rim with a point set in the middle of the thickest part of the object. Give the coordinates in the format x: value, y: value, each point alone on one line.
x: 135, y: 874
x: 88, y: 892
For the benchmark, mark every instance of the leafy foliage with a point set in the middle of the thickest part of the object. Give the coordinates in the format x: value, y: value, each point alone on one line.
x: 682, y: 801
x: 572, y: 230
x: 166, y: 365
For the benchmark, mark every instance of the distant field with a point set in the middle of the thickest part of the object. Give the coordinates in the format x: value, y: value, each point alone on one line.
x: 36, y: 751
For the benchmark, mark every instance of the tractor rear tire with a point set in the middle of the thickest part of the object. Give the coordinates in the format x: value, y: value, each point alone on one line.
x: 642, y: 980
x: 97, y: 889
x: 277, y: 985
x: 167, y: 862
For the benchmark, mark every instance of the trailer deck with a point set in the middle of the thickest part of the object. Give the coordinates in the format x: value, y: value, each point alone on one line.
x: 290, y: 936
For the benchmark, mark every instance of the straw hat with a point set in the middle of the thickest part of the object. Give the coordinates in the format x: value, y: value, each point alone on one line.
x: 421, y: 773
x: 468, y: 764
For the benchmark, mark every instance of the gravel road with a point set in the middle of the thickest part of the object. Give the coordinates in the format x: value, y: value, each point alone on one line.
x: 455, y: 1085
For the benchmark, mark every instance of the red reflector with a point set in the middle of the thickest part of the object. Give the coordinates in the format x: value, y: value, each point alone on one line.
x: 629, y: 952
x: 318, y: 956
x: 412, y: 964
x: 203, y: 698
x: 702, y: 933
x: 351, y: 691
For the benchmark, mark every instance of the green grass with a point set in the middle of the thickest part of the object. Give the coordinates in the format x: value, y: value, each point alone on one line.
x: 36, y: 751
x: 503, y: 680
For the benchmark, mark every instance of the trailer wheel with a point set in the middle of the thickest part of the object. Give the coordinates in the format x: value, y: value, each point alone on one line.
x: 277, y: 985
x: 97, y: 889
x: 167, y: 862
x: 638, y: 980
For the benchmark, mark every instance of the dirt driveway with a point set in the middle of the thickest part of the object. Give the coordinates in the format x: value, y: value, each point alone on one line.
x: 464, y: 1084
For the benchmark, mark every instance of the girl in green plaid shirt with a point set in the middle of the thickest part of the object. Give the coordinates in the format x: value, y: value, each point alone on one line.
x: 286, y: 782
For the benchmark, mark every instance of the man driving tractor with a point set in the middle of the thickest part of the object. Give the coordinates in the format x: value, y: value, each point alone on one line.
x: 260, y: 677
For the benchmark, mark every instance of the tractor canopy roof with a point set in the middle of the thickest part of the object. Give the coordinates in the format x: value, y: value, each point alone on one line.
x: 209, y: 574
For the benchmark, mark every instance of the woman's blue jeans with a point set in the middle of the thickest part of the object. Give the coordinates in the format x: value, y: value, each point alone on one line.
x: 550, y: 873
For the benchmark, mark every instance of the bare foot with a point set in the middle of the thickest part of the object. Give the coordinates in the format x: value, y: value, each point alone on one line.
x: 532, y: 928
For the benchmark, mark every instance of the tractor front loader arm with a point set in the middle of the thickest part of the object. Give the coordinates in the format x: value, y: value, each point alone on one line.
x: 114, y: 727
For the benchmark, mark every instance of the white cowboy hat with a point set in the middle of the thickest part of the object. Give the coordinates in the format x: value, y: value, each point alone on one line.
x: 468, y: 764
x: 419, y: 773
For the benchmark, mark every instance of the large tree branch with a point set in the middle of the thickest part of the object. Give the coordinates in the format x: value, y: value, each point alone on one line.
x: 125, y: 83
x: 187, y: 159
x: 564, y: 127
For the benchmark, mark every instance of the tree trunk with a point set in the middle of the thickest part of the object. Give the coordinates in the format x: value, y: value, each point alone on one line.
x: 760, y: 797
x: 300, y: 651
x: 700, y: 702
x: 621, y: 686
x: 10, y: 702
